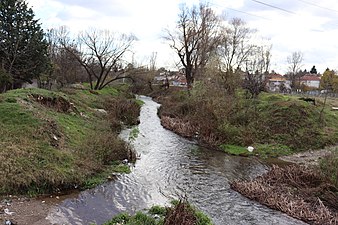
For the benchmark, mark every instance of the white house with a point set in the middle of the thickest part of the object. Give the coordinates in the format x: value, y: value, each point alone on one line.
x: 310, y: 81
x: 278, y: 83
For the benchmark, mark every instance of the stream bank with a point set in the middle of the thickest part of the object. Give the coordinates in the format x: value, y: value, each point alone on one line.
x: 169, y: 166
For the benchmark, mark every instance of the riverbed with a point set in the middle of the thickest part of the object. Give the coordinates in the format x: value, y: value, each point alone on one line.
x: 169, y: 167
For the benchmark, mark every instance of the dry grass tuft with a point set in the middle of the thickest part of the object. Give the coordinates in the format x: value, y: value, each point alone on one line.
x: 296, y: 190
x: 180, y: 214
x: 122, y: 111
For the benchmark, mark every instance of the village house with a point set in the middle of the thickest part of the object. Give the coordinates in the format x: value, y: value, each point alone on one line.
x: 278, y: 83
x: 175, y: 78
x: 310, y: 81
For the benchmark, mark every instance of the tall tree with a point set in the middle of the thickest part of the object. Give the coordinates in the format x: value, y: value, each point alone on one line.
x: 313, y: 70
x: 257, y: 67
x: 195, y: 39
x: 65, y: 68
x: 235, y: 47
x: 101, y: 55
x: 234, y: 50
x: 295, y: 63
x: 329, y: 81
x: 23, y: 48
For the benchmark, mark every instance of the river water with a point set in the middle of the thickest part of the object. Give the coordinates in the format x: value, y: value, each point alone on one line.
x: 171, y: 166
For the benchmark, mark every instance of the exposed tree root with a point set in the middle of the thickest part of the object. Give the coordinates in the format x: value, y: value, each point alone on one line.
x: 296, y: 190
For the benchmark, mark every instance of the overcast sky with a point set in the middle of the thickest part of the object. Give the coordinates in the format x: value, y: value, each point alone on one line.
x: 308, y: 26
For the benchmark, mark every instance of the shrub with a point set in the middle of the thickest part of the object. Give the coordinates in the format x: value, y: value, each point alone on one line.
x: 105, y: 147
x: 122, y: 110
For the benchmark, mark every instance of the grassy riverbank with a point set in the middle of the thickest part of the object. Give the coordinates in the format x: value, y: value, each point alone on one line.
x: 50, y: 141
x: 275, y: 125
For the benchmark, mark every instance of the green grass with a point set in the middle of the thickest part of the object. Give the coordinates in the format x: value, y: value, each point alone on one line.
x: 279, y: 120
x: 138, y: 219
x: 134, y: 133
x: 12, y: 116
x: 139, y: 102
x: 275, y: 123
x: 271, y: 150
x: 44, y: 150
x: 156, y: 215
x: 235, y: 150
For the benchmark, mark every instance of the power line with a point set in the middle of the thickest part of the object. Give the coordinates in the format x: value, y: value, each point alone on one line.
x: 318, y: 6
x: 272, y: 6
x: 236, y: 10
x: 247, y: 13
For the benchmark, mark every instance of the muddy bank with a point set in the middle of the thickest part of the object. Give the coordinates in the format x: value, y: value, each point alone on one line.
x: 27, y: 211
x: 309, y: 158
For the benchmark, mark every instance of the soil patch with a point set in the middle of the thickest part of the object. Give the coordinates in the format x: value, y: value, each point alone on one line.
x: 27, y: 211
x: 307, y: 158
x: 58, y: 103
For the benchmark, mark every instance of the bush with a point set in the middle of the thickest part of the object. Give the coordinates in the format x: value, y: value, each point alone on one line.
x: 105, y: 148
x: 122, y: 110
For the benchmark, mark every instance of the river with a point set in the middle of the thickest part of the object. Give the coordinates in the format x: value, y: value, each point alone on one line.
x: 171, y: 166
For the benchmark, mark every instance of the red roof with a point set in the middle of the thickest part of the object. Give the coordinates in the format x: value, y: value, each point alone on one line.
x: 310, y: 78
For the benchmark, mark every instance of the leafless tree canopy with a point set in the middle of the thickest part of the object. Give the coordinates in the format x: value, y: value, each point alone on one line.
x: 295, y: 64
x: 195, y: 38
x: 235, y: 47
x: 65, y: 68
x: 256, y: 67
x: 101, y: 54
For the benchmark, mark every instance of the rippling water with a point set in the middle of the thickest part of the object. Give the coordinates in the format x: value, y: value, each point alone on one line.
x: 172, y: 166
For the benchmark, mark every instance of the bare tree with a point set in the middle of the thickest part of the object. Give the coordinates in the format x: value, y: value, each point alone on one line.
x: 257, y: 67
x: 152, y: 61
x: 195, y: 39
x: 235, y: 46
x: 101, y: 55
x: 234, y: 49
x: 295, y: 63
x: 65, y: 68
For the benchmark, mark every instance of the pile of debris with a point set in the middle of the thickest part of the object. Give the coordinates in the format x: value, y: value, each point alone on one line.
x: 298, y: 191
